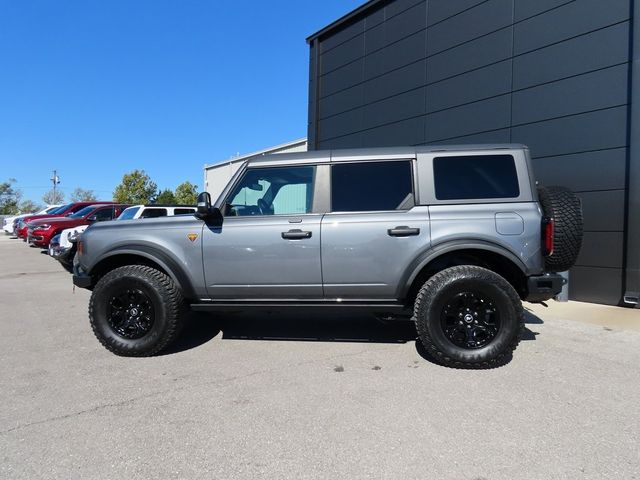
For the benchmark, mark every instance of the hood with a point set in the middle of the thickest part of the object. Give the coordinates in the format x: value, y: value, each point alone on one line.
x: 66, y: 221
x: 30, y: 218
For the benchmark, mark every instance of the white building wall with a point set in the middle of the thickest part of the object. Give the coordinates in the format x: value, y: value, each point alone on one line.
x: 217, y: 175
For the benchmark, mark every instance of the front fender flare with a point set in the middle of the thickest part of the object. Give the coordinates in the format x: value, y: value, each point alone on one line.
x: 163, y: 259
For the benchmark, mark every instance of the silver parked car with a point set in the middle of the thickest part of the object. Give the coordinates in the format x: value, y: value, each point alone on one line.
x: 454, y: 236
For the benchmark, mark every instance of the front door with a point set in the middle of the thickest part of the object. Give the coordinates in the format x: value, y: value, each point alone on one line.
x: 268, y: 246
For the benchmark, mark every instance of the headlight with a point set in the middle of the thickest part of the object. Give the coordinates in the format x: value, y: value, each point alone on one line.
x: 46, y: 226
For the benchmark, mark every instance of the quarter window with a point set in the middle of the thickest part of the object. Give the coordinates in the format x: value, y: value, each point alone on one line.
x: 272, y: 191
x: 183, y: 211
x: 153, y: 213
x: 475, y: 176
x: 371, y: 186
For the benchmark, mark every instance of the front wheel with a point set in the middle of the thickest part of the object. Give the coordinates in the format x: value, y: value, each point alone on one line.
x: 468, y: 317
x: 136, y: 311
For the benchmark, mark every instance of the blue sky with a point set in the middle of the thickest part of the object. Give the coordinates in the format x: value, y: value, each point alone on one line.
x: 98, y: 88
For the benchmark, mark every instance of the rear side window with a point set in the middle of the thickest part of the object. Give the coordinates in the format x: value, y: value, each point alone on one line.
x: 371, y: 186
x: 476, y: 176
x: 183, y: 211
x: 153, y: 213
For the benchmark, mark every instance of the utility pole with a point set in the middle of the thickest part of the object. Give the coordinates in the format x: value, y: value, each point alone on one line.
x: 56, y: 180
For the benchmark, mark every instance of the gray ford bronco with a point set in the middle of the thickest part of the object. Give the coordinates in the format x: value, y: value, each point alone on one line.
x: 454, y: 237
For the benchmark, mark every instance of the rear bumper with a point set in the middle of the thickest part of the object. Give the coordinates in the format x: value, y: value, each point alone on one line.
x: 544, y: 287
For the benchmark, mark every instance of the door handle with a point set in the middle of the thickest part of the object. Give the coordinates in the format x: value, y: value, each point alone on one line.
x: 403, y: 231
x: 296, y: 234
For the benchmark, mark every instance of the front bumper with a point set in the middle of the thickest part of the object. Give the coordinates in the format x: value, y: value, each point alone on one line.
x: 544, y: 287
x: 80, y: 277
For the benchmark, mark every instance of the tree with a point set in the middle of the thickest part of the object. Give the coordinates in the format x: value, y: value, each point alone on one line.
x: 9, y: 197
x: 29, y: 207
x: 166, y: 197
x: 82, y: 195
x: 186, y: 193
x: 53, y: 197
x: 136, y: 187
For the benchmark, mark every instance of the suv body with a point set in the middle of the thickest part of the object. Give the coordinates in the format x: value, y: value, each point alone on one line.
x: 40, y: 232
x: 352, y: 228
x: 155, y: 210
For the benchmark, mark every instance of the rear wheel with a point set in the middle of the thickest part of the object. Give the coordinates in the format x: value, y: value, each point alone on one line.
x: 136, y: 310
x: 468, y: 317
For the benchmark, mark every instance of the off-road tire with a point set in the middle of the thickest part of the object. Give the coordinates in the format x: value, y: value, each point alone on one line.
x: 564, y: 207
x: 442, y: 286
x: 166, y: 299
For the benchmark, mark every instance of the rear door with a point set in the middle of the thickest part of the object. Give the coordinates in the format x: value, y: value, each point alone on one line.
x: 374, y: 229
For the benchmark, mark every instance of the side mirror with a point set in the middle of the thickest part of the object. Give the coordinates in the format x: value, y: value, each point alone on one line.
x: 204, y: 210
x: 92, y: 218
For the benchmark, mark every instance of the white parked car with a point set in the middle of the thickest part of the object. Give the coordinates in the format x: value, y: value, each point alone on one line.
x: 154, y: 211
x: 9, y: 222
x: 63, y: 246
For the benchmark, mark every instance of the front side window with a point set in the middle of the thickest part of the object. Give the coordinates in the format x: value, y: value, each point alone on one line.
x: 371, y: 186
x: 272, y: 191
x: 104, y: 214
x: 475, y: 177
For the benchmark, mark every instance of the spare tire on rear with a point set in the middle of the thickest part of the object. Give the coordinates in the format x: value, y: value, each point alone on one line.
x: 564, y: 207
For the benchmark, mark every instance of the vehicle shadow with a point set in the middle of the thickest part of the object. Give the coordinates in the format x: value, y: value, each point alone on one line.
x: 202, y: 327
x: 199, y: 328
x: 315, y: 327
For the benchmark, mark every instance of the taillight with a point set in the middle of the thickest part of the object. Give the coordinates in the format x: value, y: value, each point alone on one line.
x: 80, y: 247
x: 547, y: 236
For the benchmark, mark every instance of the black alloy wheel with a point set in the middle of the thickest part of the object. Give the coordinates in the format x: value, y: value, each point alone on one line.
x: 131, y: 313
x: 470, y: 320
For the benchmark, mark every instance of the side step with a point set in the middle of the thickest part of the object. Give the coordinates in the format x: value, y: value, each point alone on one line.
x: 332, y: 305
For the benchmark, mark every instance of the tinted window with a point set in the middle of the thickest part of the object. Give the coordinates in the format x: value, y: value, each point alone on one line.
x: 183, y: 211
x: 154, y: 213
x: 478, y: 176
x: 371, y: 186
x: 77, y: 208
x: 128, y: 213
x: 62, y: 209
x: 82, y: 212
x: 104, y: 214
x: 272, y: 191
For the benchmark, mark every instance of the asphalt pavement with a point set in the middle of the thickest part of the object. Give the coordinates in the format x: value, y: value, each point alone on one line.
x: 302, y: 397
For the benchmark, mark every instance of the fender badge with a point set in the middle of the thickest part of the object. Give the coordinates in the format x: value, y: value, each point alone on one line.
x: 192, y: 236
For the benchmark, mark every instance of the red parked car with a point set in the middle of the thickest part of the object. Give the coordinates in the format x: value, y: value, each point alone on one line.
x: 62, y: 211
x: 41, y: 231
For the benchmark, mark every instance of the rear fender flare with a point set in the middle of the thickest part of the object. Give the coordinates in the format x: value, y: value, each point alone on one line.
x: 428, y: 256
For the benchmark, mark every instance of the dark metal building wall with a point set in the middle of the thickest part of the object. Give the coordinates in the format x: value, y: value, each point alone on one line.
x: 552, y: 74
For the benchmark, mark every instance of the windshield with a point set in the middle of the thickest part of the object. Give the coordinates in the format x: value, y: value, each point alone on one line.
x: 128, y: 213
x: 82, y: 212
x: 61, y: 210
